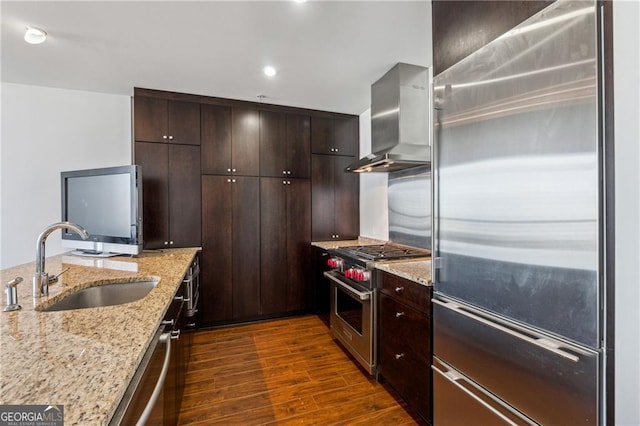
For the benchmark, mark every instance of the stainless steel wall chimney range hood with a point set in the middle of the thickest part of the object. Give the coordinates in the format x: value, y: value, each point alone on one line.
x: 400, y: 121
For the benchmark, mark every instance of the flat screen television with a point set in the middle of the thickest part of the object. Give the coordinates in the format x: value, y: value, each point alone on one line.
x: 107, y: 202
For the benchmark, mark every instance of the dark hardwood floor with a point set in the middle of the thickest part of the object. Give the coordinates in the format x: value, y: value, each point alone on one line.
x: 286, y: 371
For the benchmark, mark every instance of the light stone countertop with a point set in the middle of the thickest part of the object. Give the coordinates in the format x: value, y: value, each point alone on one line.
x: 418, y: 270
x: 326, y: 245
x: 83, y: 359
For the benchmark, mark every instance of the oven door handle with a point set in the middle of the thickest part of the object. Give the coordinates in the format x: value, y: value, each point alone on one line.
x: 359, y: 294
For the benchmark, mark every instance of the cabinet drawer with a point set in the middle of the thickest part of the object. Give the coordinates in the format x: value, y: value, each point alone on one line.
x: 405, y: 329
x: 406, y: 291
x: 405, y: 352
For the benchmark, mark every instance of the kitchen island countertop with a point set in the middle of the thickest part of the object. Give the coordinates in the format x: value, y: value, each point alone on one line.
x: 83, y: 359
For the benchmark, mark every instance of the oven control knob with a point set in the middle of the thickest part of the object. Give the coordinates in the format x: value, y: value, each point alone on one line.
x: 349, y: 273
x: 334, y: 263
x: 366, y: 275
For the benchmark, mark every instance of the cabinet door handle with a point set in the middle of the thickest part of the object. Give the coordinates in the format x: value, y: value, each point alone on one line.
x: 229, y: 170
x: 399, y: 314
x: 288, y: 172
x: 233, y: 170
x: 336, y: 149
x: 164, y: 137
x: 284, y: 172
x: 170, y: 243
x: 175, y: 335
x: 399, y: 289
x: 166, y: 243
x: 398, y: 356
x: 179, y: 298
x: 284, y: 182
x: 170, y: 138
x: 167, y: 322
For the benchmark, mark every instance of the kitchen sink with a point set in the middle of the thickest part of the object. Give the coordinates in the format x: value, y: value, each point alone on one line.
x: 103, y: 295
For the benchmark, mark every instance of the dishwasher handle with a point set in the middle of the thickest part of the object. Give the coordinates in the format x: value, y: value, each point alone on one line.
x: 144, y: 417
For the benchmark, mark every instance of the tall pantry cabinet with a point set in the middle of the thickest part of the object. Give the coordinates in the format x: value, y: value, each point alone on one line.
x: 230, y: 214
x: 335, y: 194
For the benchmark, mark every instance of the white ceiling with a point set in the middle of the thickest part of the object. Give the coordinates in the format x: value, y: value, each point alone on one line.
x: 327, y: 52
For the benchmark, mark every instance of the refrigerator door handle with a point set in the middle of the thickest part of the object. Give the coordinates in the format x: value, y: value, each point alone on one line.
x: 453, y: 376
x: 540, y: 341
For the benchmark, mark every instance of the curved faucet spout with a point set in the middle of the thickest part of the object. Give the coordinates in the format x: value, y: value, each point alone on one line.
x: 40, y: 277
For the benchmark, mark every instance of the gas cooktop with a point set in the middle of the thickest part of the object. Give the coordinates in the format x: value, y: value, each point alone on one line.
x: 388, y: 251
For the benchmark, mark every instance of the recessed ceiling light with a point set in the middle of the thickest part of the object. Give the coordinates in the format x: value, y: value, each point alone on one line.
x: 300, y: 1
x: 35, y: 35
x: 269, y: 71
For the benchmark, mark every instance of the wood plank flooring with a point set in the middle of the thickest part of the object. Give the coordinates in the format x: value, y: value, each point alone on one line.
x: 286, y: 371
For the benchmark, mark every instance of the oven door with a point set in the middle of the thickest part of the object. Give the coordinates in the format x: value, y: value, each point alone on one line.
x: 352, y: 319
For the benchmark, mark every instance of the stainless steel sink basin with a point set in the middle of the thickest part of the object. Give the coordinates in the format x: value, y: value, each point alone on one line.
x: 103, y: 295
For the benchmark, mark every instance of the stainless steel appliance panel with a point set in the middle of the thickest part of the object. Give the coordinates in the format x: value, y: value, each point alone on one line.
x: 460, y: 401
x: 352, y: 319
x: 552, y: 381
x: 517, y: 183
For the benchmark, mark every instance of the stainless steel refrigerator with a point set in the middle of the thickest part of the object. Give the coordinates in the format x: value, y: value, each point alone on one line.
x: 518, y: 227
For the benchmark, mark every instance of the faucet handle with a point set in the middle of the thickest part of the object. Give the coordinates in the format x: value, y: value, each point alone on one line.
x: 54, y: 279
x: 12, y: 295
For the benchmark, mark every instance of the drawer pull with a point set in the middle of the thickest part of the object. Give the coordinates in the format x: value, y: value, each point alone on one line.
x: 399, y: 289
x: 398, y: 356
x: 399, y: 314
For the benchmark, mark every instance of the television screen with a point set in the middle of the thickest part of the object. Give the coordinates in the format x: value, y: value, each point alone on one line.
x: 107, y: 203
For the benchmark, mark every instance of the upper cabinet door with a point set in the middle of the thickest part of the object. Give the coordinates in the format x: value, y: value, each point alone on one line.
x: 298, y: 152
x: 184, y: 122
x: 273, y: 146
x: 245, y: 140
x: 322, y: 135
x: 161, y: 120
x: 216, y: 139
x: 346, y: 135
x: 150, y: 119
x: 335, y: 136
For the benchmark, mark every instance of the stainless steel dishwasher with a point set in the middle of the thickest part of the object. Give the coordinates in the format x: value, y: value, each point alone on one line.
x: 143, y: 401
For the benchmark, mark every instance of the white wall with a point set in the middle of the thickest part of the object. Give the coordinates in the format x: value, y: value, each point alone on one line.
x: 46, y: 131
x: 626, y: 55
x: 374, y: 212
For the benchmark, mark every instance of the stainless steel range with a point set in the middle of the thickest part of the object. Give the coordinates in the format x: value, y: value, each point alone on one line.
x: 353, y: 295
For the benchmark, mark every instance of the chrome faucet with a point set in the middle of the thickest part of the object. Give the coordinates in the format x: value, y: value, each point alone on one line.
x: 41, y: 279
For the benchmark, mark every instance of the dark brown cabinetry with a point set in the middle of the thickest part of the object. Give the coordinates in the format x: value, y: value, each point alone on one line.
x: 171, y: 194
x: 230, y: 141
x: 284, y: 145
x: 286, y: 245
x: 335, y: 198
x: 255, y: 237
x: 162, y: 120
x: 231, y: 248
x: 405, y: 339
x: 335, y: 136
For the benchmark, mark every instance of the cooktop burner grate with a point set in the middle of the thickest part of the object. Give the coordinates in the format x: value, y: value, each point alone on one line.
x: 384, y: 251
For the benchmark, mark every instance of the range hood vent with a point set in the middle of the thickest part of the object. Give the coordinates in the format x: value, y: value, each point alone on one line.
x: 400, y: 121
